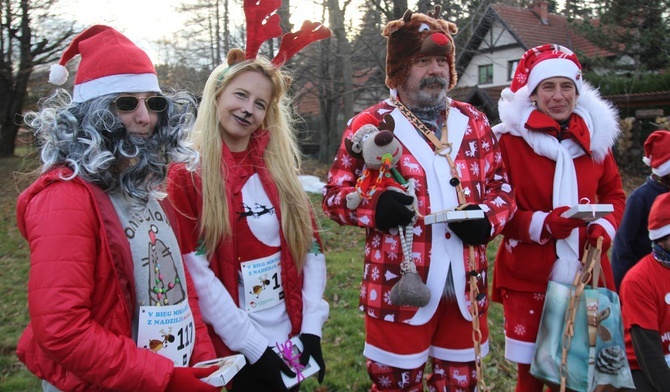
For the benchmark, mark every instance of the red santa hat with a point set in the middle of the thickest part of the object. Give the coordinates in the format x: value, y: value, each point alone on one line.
x: 657, y: 152
x: 659, y: 217
x: 546, y: 61
x: 110, y: 63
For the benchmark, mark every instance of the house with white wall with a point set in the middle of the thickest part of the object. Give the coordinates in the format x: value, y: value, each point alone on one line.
x: 487, y: 62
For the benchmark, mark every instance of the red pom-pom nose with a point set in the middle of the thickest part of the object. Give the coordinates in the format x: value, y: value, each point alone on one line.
x: 440, y: 39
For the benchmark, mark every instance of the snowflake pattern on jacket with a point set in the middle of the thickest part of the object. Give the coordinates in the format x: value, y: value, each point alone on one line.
x: 477, y: 157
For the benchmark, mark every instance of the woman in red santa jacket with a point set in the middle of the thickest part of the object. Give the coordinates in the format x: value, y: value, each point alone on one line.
x: 555, y: 136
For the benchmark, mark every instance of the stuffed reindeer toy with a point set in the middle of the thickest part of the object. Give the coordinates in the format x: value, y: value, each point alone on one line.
x: 381, y: 151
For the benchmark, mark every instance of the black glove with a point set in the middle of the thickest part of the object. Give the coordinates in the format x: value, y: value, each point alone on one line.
x: 472, y: 231
x: 311, y: 345
x: 264, y: 375
x: 392, y: 210
x: 246, y: 380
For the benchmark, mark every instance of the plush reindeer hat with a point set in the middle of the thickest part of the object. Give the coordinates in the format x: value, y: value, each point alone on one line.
x: 414, y: 36
x: 263, y: 24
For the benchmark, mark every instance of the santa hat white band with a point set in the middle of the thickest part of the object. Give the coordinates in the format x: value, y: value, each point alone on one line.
x: 659, y: 233
x: 123, y: 83
x: 552, y: 68
x: 661, y: 170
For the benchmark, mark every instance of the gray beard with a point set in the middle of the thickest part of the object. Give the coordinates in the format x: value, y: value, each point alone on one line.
x: 141, y: 166
x: 425, y: 99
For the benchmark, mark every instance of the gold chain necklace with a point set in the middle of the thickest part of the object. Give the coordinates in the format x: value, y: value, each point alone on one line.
x: 443, y: 147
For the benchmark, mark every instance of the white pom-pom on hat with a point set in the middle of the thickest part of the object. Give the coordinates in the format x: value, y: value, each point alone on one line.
x: 507, y: 94
x: 58, y: 74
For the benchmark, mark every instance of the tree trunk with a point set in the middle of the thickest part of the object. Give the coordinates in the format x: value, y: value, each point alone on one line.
x: 8, y: 132
x: 22, y: 51
x: 399, y: 8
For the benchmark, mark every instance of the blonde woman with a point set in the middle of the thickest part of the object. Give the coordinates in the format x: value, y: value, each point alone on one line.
x: 248, y: 227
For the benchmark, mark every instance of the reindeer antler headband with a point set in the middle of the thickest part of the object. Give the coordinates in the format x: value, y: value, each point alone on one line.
x: 263, y: 24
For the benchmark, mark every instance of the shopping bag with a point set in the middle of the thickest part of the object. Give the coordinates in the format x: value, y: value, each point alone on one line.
x: 580, y: 344
x: 546, y: 364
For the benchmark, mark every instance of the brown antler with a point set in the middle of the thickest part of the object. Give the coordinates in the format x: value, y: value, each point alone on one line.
x: 388, y: 123
x: 292, y: 43
x: 262, y: 23
x: 436, y: 12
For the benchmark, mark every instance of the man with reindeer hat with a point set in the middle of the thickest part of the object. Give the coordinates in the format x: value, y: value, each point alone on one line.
x: 452, y: 161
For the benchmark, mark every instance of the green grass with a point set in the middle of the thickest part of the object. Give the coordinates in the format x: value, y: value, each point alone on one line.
x: 14, y: 265
x: 343, y: 334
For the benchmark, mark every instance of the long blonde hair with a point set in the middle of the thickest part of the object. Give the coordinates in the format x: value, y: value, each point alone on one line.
x: 282, y: 158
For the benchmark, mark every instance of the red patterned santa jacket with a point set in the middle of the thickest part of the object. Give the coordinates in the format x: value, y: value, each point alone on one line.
x: 477, y: 157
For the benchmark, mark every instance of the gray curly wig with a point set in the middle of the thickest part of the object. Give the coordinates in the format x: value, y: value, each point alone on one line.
x: 89, y: 138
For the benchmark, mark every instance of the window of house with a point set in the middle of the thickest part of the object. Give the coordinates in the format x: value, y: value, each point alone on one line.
x: 486, y: 74
x: 511, y: 68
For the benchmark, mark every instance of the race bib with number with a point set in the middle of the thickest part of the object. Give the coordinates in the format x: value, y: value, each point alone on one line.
x: 262, y: 283
x: 168, y: 331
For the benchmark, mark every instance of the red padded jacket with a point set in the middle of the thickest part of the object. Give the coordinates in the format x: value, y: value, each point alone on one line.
x: 81, y: 293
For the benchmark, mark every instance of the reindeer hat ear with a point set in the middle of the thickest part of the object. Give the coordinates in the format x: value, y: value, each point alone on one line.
x: 235, y: 55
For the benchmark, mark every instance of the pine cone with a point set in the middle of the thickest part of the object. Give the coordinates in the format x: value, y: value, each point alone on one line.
x: 611, y: 359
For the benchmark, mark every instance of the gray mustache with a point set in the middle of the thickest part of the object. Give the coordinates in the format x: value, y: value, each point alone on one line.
x: 433, y: 80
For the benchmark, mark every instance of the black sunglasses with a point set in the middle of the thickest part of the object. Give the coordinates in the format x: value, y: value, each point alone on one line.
x: 129, y: 103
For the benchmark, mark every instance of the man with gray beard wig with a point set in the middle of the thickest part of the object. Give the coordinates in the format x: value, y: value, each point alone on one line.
x: 112, y: 306
x: 452, y: 159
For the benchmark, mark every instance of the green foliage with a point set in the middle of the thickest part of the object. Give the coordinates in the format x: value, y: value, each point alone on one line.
x: 636, y: 31
x: 612, y: 84
x: 14, y: 267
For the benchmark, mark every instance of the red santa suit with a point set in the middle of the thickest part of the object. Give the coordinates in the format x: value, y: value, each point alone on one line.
x: 82, y: 294
x: 546, y: 174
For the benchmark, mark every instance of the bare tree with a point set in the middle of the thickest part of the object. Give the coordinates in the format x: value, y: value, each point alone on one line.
x: 323, y: 82
x: 391, y: 9
x: 209, y: 33
x: 29, y: 37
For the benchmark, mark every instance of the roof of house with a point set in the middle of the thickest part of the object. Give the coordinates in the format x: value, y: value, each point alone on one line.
x: 528, y: 27
x: 529, y: 30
